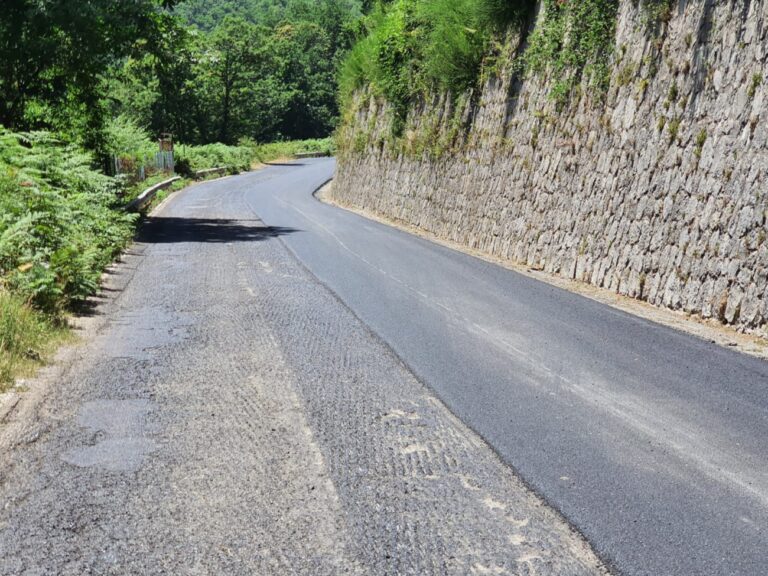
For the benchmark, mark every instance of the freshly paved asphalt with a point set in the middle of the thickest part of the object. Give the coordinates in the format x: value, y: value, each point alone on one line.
x: 225, y: 414
x: 652, y: 443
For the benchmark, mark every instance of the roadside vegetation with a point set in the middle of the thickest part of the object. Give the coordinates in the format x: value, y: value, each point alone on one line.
x: 412, y: 47
x: 414, y: 51
x: 86, y: 91
x: 232, y: 83
x: 62, y: 222
x: 59, y: 228
x: 26, y: 338
x: 285, y: 150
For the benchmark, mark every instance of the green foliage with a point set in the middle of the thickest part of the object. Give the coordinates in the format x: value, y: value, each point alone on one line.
x: 574, y: 40
x: 701, y: 139
x: 58, y: 225
x: 208, y: 14
x: 244, y: 75
x: 456, y: 43
x: 673, y: 93
x: 655, y: 13
x: 754, y: 84
x: 241, y: 157
x: 626, y: 74
x: 276, y: 150
x: 498, y: 15
x: 395, y: 52
x: 263, y: 69
x: 413, y: 47
x: 673, y: 128
x: 123, y: 137
x: 53, y: 55
x: 159, y: 90
x: 234, y: 158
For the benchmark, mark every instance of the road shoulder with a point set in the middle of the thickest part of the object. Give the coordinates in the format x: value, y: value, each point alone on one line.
x: 704, y: 329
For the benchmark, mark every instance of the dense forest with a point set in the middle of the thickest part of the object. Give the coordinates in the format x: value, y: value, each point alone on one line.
x: 232, y: 71
x: 203, y: 71
x: 207, y: 15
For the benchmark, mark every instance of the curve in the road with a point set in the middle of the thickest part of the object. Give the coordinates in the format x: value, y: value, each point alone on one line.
x: 650, y: 441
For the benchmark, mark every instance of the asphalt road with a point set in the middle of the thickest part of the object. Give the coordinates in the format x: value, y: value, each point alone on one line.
x: 652, y: 443
x: 226, y: 414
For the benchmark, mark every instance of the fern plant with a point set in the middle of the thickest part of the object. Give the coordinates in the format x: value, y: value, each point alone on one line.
x: 60, y: 220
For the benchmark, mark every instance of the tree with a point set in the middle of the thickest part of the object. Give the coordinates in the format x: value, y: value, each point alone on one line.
x: 53, y: 53
x: 305, y: 68
x: 229, y: 68
x: 239, y: 80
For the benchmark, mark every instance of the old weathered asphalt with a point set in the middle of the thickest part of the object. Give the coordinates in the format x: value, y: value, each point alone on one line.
x: 654, y: 444
x: 227, y: 413
x: 242, y: 411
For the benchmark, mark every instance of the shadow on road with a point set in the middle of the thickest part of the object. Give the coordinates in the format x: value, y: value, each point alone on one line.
x: 284, y: 164
x: 156, y: 230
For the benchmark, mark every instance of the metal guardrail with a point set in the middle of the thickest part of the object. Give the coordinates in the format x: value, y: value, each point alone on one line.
x: 209, y: 171
x: 145, y: 198
x: 301, y: 155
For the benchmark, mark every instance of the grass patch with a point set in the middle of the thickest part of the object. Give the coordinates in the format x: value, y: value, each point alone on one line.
x: 656, y: 13
x: 277, y: 150
x: 27, y: 338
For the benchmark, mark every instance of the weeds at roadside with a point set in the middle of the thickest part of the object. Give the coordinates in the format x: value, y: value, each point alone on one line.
x: 27, y: 338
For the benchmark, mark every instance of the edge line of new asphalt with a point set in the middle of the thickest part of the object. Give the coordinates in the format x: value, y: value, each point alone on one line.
x: 718, y: 334
x: 708, y: 331
x: 608, y: 565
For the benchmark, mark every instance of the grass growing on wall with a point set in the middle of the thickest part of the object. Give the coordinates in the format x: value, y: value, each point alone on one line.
x: 417, y: 48
x: 574, y: 40
x: 414, y: 47
x: 656, y: 12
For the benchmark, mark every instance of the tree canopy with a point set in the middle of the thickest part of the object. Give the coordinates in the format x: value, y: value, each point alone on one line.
x: 54, y: 53
x: 206, y: 71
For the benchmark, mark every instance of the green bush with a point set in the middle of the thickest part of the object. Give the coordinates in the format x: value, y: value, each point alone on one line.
x: 414, y: 47
x: 60, y: 222
x: 275, y: 150
x: 234, y: 158
x: 124, y: 138
x: 455, y: 43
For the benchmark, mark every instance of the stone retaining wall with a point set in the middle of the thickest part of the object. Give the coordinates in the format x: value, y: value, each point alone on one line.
x: 658, y: 192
